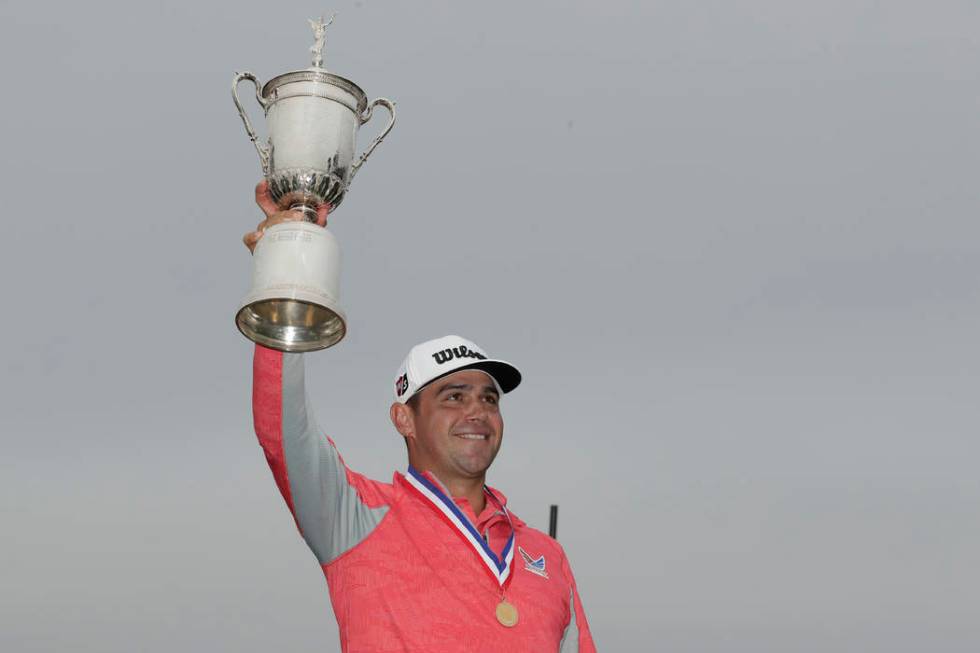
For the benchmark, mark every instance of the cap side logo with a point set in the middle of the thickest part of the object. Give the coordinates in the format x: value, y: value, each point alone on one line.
x: 462, y: 351
x: 401, y: 385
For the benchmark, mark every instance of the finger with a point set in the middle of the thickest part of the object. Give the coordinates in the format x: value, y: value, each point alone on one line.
x: 278, y: 218
x: 251, y: 239
x: 321, y: 214
x: 295, y: 215
x: 264, y: 199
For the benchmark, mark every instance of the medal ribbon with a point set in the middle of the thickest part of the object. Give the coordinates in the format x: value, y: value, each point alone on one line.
x: 500, y: 565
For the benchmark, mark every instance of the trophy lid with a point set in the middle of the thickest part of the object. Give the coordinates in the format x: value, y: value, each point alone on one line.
x: 316, y: 73
x: 319, y: 76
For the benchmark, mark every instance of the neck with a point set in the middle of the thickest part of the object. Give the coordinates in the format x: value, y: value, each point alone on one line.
x: 470, y: 489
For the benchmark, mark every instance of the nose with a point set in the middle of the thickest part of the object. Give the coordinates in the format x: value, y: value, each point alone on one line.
x: 476, y: 411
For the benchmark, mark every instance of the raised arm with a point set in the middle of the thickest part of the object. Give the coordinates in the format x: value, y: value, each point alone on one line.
x: 334, y: 508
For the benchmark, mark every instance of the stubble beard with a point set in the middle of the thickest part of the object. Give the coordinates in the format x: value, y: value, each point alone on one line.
x: 472, y: 466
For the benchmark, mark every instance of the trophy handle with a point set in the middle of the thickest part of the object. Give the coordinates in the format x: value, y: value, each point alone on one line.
x: 390, y: 106
x: 261, y: 149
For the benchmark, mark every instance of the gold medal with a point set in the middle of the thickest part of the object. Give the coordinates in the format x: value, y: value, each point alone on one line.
x: 506, y: 614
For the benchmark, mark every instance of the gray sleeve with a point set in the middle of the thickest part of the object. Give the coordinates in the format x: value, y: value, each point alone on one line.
x: 328, y: 503
x: 569, y: 639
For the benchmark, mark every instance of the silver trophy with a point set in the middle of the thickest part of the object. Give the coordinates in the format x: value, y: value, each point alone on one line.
x: 312, y: 118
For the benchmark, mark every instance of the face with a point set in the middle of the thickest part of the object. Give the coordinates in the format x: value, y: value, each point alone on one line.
x: 457, y: 428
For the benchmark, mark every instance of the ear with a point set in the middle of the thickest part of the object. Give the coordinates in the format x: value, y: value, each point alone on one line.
x: 403, y: 418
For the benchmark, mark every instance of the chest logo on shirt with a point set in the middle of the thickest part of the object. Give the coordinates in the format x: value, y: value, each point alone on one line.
x: 535, y: 566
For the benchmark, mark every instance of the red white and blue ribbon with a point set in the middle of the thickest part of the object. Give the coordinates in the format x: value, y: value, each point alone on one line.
x: 499, y: 565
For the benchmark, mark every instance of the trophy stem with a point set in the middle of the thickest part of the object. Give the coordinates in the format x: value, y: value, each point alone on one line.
x: 308, y: 209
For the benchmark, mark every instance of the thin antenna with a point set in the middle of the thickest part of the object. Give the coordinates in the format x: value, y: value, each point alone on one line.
x: 553, y: 522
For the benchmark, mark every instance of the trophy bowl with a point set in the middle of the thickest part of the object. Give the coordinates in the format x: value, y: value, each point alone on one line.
x: 312, y: 119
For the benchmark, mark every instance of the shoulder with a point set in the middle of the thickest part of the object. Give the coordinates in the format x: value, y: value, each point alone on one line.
x: 536, y: 537
x: 532, y: 543
x: 371, y: 492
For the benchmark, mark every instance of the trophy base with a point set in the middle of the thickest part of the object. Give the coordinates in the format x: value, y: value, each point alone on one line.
x: 293, y: 305
x: 291, y: 325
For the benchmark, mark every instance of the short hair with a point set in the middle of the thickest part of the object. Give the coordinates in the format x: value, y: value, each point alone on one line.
x: 413, y: 402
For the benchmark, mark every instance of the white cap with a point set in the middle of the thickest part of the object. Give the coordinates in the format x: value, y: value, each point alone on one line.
x: 436, y: 358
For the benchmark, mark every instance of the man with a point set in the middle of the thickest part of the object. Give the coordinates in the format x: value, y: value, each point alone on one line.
x: 433, y: 561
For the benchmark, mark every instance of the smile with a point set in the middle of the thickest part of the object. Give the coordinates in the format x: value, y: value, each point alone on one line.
x: 472, y: 436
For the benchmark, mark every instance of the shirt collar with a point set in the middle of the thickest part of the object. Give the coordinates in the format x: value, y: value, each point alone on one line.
x: 491, y: 509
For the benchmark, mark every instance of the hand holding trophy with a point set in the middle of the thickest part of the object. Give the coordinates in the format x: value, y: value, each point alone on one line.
x: 308, y: 162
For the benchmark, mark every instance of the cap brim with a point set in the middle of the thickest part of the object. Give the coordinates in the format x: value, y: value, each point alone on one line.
x: 506, y: 375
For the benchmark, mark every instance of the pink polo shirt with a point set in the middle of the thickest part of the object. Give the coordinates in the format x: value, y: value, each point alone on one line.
x: 400, y: 577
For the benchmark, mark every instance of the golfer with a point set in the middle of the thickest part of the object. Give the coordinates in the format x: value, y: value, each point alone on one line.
x: 434, y: 561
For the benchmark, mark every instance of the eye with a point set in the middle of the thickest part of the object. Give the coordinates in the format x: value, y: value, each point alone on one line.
x: 454, y: 396
x: 491, y: 399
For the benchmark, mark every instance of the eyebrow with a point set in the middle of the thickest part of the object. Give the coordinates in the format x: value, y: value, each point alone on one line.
x: 464, y: 386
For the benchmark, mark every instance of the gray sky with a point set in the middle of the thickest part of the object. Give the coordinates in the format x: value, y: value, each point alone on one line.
x: 732, y: 246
